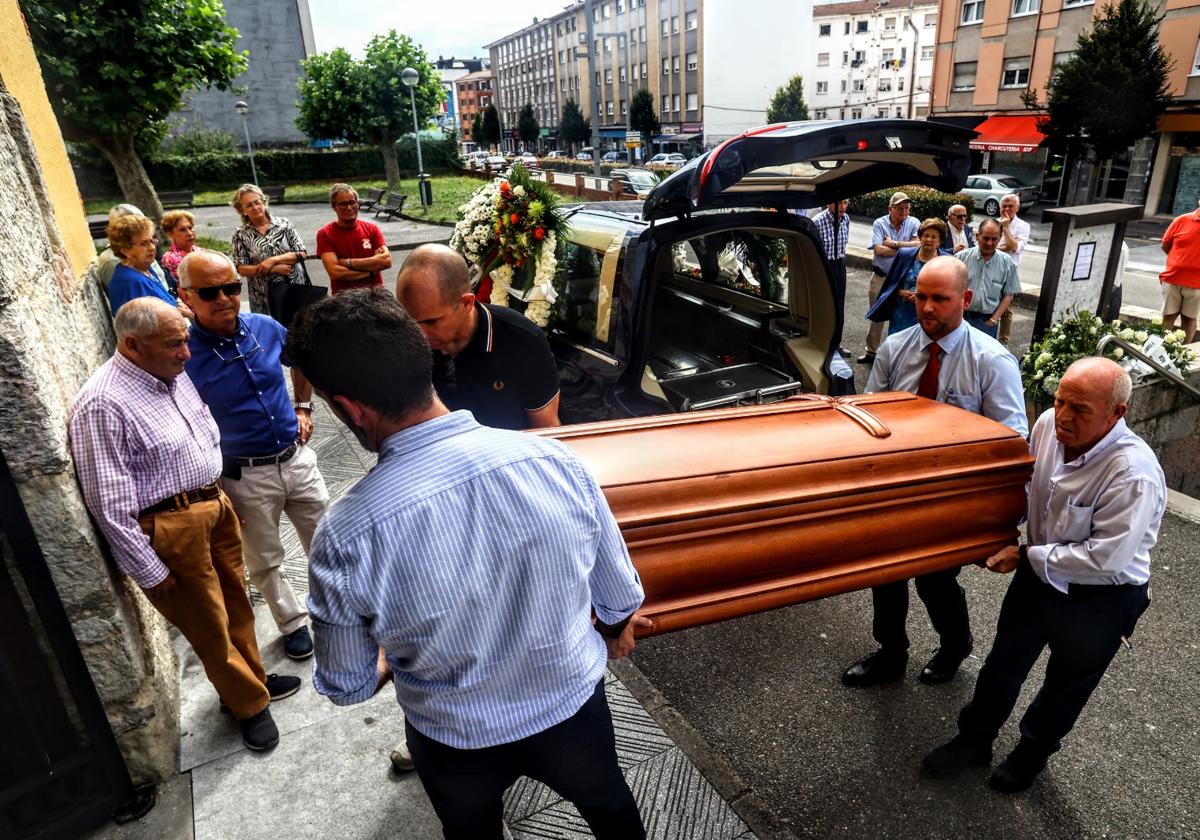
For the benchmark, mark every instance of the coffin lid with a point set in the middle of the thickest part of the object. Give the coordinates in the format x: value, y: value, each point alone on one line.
x: 809, y: 164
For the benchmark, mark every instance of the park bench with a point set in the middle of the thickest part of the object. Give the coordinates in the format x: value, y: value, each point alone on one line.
x: 274, y: 194
x: 391, y: 208
x: 175, y: 199
x: 98, y: 230
x: 372, y: 198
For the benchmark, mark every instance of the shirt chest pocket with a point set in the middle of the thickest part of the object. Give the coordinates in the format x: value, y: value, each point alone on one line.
x: 1074, y: 523
x: 967, y: 402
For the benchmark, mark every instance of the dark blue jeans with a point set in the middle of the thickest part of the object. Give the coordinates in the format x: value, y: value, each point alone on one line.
x: 979, y: 320
x: 577, y: 759
x: 1083, y: 630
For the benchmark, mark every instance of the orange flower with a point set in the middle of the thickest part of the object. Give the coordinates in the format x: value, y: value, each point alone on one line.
x: 514, y: 218
x: 539, y: 233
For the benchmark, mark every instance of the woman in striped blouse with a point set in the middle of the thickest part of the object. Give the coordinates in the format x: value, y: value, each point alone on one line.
x: 266, y: 250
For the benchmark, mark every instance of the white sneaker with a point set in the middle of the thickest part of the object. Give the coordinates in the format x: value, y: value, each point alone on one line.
x: 402, y: 759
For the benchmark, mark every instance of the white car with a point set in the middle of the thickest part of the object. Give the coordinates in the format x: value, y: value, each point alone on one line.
x: 476, y: 159
x: 496, y: 163
x: 557, y: 153
x: 668, y: 159
x: 527, y: 160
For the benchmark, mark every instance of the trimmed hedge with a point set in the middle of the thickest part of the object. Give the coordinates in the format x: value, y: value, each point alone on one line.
x: 926, y: 203
x: 224, y: 170
x: 584, y: 167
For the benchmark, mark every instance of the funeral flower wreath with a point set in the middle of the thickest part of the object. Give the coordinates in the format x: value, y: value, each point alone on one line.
x: 512, y: 230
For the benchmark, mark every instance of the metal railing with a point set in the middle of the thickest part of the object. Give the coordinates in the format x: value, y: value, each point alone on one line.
x: 1171, y: 375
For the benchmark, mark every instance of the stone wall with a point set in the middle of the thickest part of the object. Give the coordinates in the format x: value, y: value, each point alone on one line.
x: 54, y: 331
x: 1168, y: 418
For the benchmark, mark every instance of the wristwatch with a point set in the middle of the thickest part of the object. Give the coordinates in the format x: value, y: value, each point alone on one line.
x: 305, y: 406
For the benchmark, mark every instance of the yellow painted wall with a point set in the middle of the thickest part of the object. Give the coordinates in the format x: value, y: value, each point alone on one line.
x: 23, y: 77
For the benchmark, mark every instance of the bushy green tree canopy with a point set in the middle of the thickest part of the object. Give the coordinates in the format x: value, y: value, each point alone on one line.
x: 788, y: 105
x: 642, y: 116
x: 573, y: 128
x: 527, y: 124
x: 491, y: 125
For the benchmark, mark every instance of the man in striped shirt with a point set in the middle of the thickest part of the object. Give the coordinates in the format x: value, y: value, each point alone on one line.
x: 147, y: 454
x: 467, y: 564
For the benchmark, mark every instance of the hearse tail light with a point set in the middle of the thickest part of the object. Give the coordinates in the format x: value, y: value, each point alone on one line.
x: 861, y: 145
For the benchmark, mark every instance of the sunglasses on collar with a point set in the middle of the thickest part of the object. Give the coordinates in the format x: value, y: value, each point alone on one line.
x: 210, y: 293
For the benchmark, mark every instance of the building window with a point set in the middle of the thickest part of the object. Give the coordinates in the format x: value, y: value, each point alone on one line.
x: 1016, y: 73
x: 606, y: 13
x: 666, y: 66
x: 822, y: 59
x: 608, y: 44
x: 666, y: 28
x: 1195, y: 61
x: 885, y: 85
x: 675, y: 26
x: 823, y: 31
x: 666, y: 104
x: 822, y: 87
x: 645, y: 73
x: 845, y: 58
x: 900, y: 83
x: 624, y: 110
x: 856, y: 113
x: 620, y: 7
x: 972, y: 11
x: 847, y: 29
x: 1024, y: 7
x: 964, y: 75
x: 1067, y: 3
x: 926, y: 53
x: 820, y: 114
x: 859, y: 86
x: 923, y: 83
x: 690, y: 21
x: 622, y: 75
x: 889, y: 24
x: 598, y: 77
x: 863, y: 26
x: 608, y: 77
x: 930, y: 21
x: 691, y: 61
x: 860, y: 56
x: 675, y: 102
x: 693, y: 101
x: 634, y: 69
x: 610, y: 109
x: 843, y: 85
x: 675, y: 64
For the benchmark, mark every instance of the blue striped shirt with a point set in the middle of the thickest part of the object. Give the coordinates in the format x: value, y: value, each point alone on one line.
x: 474, y: 556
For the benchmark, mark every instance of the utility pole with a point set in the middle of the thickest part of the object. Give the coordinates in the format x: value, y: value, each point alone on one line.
x: 590, y: 34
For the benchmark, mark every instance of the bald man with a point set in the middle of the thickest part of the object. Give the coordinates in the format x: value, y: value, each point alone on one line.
x: 944, y: 359
x: 147, y: 454
x: 487, y: 359
x: 1095, y: 505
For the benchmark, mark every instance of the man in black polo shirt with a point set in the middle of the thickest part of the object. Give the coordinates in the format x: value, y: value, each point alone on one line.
x: 487, y: 359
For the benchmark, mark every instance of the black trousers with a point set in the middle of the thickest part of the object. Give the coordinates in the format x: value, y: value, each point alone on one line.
x: 943, y: 598
x: 837, y: 280
x: 1083, y: 630
x: 577, y: 759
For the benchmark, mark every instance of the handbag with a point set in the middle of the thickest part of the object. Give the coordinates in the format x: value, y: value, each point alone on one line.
x: 298, y: 296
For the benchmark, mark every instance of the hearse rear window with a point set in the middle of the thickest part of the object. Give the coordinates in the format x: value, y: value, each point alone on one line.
x: 752, y: 263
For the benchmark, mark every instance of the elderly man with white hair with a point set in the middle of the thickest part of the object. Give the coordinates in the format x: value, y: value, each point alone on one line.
x: 1014, y: 236
x: 147, y: 455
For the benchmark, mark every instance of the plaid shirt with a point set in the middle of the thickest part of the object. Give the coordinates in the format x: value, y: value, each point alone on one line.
x: 824, y: 223
x: 137, y: 440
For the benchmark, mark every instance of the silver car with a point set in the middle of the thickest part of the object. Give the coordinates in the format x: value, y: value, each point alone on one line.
x: 987, y: 190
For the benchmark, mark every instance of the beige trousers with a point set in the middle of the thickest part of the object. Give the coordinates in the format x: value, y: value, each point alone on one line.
x: 260, y: 496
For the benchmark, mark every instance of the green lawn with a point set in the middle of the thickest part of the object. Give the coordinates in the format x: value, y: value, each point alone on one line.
x: 449, y: 193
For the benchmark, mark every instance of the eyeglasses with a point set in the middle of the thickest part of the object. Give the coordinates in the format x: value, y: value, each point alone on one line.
x: 346, y: 204
x: 210, y: 293
x: 958, y: 215
x: 241, y: 355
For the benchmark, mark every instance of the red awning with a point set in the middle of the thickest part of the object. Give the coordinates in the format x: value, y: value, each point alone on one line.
x: 1008, y: 134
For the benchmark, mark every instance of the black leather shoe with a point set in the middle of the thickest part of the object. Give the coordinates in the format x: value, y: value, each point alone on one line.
x: 866, y: 359
x: 878, y: 668
x: 944, y: 665
x: 954, y: 756
x: 259, y: 733
x: 282, y: 685
x: 1017, y: 772
x: 298, y: 644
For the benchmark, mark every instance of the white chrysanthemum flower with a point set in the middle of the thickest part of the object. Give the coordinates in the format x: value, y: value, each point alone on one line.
x: 1170, y: 338
x: 519, y: 191
x: 1043, y: 359
x: 1156, y: 320
x: 1126, y: 334
x: 1140, y: 336
x: 1118, y: 353
x: 1180, y: 334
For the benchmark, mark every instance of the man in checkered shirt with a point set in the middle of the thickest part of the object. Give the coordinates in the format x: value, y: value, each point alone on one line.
x: 833, y: 225
x: 147, y: 454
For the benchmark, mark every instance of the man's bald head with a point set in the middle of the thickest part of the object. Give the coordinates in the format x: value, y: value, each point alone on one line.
x: 435, y: 263
x: 1101, y: 377
x: 1091, y: 399
x: 941, y: 296
x: 951, y: 268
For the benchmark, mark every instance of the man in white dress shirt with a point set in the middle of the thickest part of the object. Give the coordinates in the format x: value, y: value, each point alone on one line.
x: 1096, y: 501
x: 1014, y: 236
x: 945, y: 359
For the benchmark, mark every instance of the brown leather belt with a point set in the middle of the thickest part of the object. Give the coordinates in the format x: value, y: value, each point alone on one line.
x: 185, y: 499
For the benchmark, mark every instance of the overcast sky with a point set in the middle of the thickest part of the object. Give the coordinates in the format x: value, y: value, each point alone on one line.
x: 449, y: 27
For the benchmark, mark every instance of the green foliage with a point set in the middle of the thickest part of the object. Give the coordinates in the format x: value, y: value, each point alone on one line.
x: 477, y: 127
x: 926, y: 203
x: 527, y: 124
x: 1113, y: 89
x: 573, y: 129
x: 491, y: 126
x: 642, y: 116
x: 198, y: 141
x: 787, y: 105
x: 1076, y: 336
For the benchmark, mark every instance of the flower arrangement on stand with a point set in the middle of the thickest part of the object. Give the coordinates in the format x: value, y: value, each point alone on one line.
x: 1076, y: 336
x: 510, y: 232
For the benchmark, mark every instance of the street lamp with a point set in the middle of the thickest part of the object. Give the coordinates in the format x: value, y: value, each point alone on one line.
x: 410, y: 77
x: 242, y: 108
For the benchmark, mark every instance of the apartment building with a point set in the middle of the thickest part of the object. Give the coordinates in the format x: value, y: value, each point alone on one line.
x: 449, y: 71
x: 636, y: 44
x: 871, y: 58
x: 990, y: 52
x: 472, y: 93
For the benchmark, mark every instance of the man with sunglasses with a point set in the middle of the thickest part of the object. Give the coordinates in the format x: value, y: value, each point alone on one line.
x: 352, y: 251
x: 236, y: 366
x: 961, y: 237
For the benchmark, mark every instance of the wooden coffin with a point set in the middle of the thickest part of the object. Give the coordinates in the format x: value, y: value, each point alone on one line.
x: 734, y: 511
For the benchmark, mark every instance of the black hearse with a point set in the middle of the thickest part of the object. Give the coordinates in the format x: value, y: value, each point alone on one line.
x: 713, y: 292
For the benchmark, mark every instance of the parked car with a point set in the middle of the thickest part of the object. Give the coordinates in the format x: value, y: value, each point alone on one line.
x: 987, y: 190
x: 612, y: 157
x: 669, y: 159
x: 706, y: 294
x: 476, y: 160
x: 585, y: 153
x: 527, y: 160
x: 556, y: 153
x: 638, y: 182
x: 497, y: 163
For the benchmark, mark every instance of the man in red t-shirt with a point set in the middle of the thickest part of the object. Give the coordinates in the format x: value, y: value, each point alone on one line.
x: 1181, y: 277
x: 352, y: 251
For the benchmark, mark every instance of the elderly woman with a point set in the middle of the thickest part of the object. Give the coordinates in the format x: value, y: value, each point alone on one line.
x: 132, y: 239
x: 267, y: 251
x: 180, y: 226
x: 895, y: 303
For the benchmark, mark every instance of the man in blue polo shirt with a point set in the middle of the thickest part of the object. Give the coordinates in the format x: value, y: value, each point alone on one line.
x: 236, y: 366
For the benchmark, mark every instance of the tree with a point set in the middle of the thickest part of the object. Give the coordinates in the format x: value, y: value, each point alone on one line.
x: 112, y: 75
x: 642, y: 117
x: 1101, y: 114
x: 527, y: 124
x: 573, y: 128
x: 365, y: 101
x: 787, y: 105
x: 491, y: 126
x: 477, y: 128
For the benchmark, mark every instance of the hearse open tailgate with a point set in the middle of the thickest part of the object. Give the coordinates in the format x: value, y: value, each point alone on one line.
x: 734, y: 511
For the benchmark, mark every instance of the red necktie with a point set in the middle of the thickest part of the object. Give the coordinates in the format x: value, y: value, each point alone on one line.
x: 929, y: 379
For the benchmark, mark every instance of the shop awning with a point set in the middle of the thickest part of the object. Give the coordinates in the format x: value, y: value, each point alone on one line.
x: 1178, y: 122
x: 1008, y: 134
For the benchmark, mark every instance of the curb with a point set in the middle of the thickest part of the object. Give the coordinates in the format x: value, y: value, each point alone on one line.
x: 752, y: 810
x: 1183, y: 506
